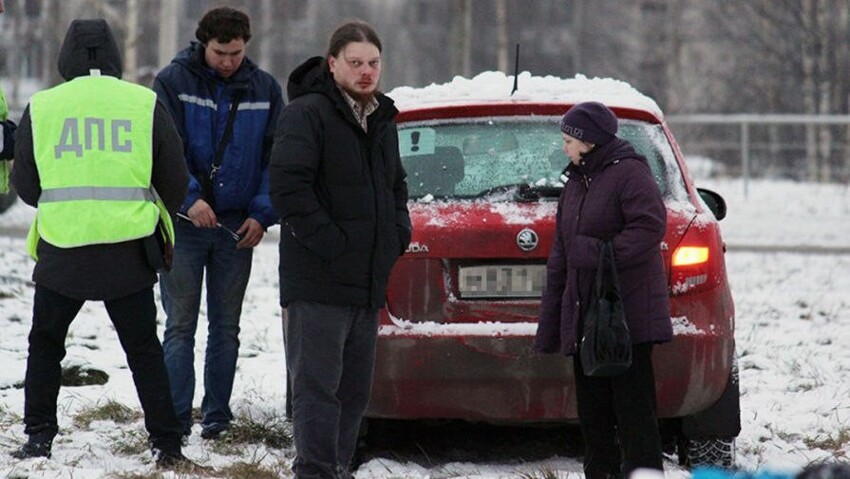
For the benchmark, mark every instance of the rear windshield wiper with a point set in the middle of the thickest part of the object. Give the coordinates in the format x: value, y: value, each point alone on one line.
x: 520, y: 192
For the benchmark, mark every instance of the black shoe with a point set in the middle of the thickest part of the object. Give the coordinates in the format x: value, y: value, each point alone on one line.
x: 176, y: 461
x: 38, y: 445
x: 214, y: 433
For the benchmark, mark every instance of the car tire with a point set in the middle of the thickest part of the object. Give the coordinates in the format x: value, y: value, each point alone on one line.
x: 711, y: 452
x: 708, y: 438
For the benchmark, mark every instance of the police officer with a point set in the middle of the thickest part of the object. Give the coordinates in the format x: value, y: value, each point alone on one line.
x: 101, y: 160
x: 7, y: 136
x: 7, y: 142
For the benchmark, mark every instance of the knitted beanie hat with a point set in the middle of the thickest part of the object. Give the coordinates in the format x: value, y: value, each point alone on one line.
x: 591, y: 122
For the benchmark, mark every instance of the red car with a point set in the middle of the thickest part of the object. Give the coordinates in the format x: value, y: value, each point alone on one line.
x: 456, y: 339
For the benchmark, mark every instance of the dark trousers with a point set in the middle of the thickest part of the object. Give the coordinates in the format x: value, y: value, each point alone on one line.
x: 618, y: 419
x: 330, y: 354
x: 134, y: 318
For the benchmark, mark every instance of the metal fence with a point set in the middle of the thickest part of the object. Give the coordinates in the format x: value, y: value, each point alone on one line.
x: 800, y: 147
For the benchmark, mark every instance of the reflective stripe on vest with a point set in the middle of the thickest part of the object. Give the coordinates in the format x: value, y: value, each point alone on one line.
x: 92, y: 144
x: 95, y: 193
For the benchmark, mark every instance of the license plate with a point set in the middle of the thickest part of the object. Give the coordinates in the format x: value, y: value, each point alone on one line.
x: 502, y: 281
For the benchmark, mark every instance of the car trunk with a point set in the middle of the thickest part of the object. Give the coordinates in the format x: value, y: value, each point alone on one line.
x: 482, y: 262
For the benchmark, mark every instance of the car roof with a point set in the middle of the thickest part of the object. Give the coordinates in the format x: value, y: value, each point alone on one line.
x: 490, y: 93
x: 491, y: 109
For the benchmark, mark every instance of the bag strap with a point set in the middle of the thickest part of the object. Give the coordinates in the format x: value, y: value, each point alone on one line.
x: 600, y: 269
x: 613, y: 283
x: 209, y: 181
x: 607, y: 267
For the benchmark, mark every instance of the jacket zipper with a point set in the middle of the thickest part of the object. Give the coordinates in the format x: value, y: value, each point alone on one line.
x: 579, y: 326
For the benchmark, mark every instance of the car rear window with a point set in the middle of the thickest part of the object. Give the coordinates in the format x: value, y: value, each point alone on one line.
x: 472, y: 158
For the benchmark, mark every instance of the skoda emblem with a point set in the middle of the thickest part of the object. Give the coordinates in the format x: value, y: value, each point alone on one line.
x: 526, y: 239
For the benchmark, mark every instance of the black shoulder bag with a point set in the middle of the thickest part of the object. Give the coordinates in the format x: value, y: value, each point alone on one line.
x: 606, y: 348
x: 159, y: 248
x: 208, y: 181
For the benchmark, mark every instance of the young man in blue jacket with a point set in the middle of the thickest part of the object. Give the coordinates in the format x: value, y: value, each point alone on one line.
x: 226, y: 109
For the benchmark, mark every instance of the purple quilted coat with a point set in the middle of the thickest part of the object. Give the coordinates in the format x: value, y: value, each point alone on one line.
x: 611, y: 195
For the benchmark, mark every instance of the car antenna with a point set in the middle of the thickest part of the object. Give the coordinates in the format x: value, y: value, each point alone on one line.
x: 516, y: 70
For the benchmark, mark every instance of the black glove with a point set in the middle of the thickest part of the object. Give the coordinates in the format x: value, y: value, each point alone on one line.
x: 7, y: 145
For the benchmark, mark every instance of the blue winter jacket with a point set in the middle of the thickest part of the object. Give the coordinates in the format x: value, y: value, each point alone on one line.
x: 199, y: 100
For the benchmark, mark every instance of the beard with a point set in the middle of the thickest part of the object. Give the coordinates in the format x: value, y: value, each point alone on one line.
x: 360, y: 97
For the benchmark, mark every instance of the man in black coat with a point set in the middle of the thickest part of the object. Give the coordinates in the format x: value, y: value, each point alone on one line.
x: 337, y: 182
x: 119, y: 273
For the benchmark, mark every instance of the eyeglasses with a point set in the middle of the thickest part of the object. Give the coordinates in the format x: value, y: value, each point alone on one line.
x: 229, y: 231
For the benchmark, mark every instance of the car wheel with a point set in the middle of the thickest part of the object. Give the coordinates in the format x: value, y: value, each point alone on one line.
x: 711, y: 452
x: 708, y: 438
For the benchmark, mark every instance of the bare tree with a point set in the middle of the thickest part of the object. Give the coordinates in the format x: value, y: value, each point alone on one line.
x: 51, y: 13
x: 461, y: 36
x: 759, y: 56
x: 502, y: 51
x: 578, y: 27
x: 842, y: 85
x: 13, y: 60
x: 131, y: 42
x: 791, y: 57
x: 654, y: 20
x: 817, y: 52
x: 170, y: 12
x: 269, y: 30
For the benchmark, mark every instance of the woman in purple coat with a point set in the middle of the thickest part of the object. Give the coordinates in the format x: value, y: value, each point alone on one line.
x: 609, y: 194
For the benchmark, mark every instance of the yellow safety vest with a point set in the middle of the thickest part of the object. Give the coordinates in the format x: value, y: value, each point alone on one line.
x: 92, y: 144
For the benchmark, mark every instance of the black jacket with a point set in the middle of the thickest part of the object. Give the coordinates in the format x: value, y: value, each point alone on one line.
x: 105, y: 271
x: 340, y: 192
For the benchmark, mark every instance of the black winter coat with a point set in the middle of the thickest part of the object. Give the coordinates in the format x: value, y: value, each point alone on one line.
x: 104, y: 271
x: 611, y: 195
x: 340, y: 192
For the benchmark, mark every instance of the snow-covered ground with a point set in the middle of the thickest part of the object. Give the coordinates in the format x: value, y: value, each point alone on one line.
x: 793, y: 333
x: 784, y: 213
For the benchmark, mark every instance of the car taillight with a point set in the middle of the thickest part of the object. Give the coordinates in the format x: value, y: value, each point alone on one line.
x: 697, y: 261
x: 690, y: 255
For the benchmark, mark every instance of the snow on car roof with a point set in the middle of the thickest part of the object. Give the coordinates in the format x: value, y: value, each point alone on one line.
x: 495, y: 86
